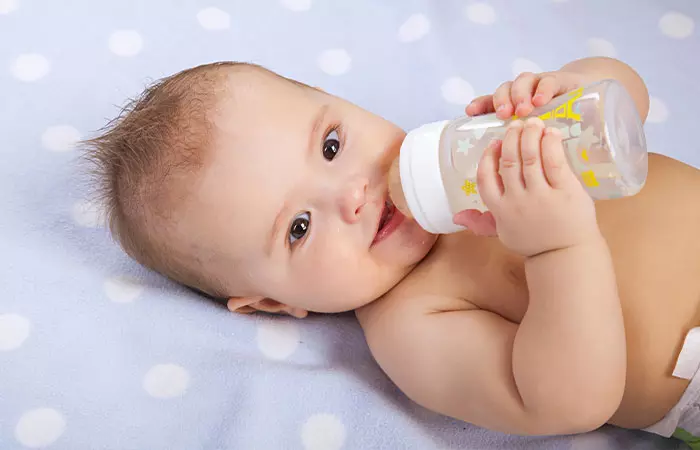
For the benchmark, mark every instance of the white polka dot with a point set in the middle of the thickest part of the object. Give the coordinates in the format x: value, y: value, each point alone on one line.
x: 481, y: 13
x: 125, y: 43
x: 414, y: 28
x: 122, y: 289
x: 296, y: 5
x: 277, y: 339
x: 521, y: 65
x: 40, y: 427
x: 14, y: 330
x: 60, y: 138
x: 30, y: 67
x: 600, y: 47
x: 457, y: 90
x: 323, y: 432
x: 658, y: 112
x: 335, y: 61
x: 214, y: 19
x: 676, y: 25
x: 88, y: 214
x: 166, y: 381
x: 8, y: 6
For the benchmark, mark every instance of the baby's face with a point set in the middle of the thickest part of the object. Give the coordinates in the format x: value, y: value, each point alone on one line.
x: 294, y: 199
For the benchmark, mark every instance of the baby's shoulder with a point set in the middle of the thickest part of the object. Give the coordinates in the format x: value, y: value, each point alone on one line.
x: 408, y: 303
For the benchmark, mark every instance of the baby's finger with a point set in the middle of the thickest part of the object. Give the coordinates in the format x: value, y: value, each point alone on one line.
x: 481, y: 224
x: 521, y: 93
x: 556, y: 167
x: 510, y: 165
x: 488, y: 180
x: 530, y: 146
x: 547, y: 88
x: 502, y: 102
x: 480, y: 105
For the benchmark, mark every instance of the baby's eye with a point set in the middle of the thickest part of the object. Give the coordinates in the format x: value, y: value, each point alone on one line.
x: 300, y: 225
x: 331, y: 146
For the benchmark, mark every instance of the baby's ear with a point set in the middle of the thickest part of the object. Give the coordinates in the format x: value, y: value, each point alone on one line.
x: 247, y: 305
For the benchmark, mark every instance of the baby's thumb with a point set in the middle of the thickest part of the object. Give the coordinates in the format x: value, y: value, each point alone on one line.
x: 481, y: 224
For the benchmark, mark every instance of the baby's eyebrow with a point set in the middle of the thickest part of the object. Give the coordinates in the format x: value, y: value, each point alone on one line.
x: 272, y: 237
x: 316, y: 124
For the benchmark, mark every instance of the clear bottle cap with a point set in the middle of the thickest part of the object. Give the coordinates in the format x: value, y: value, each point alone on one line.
x: 421, y: 180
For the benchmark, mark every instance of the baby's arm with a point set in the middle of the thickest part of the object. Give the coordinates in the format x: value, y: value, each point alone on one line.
x: 569, y: 354
x: 599, y: 68
x: 562, y: 370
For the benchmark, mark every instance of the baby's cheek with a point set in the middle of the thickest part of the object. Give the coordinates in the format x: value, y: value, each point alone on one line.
x: 335, y: 273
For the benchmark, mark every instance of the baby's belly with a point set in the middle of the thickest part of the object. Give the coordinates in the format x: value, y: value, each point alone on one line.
x: 658, y: 312
x: 655, y: 245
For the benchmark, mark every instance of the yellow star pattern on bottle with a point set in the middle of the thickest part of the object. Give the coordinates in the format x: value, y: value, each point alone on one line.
x: 584, y: 155
x: 469, y: 187
x: 589, y: 179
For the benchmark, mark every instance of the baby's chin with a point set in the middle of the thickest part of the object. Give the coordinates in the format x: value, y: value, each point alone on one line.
x: 423, y: 241
x: 406, y: 252
x: 406, y: 246
x: 364, y: 288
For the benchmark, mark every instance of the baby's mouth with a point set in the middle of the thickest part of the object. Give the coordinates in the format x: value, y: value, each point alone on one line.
x: 388, y: 221
x: 387, y: 214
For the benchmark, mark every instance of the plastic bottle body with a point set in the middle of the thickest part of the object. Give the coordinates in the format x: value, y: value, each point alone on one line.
x: 603, y: 141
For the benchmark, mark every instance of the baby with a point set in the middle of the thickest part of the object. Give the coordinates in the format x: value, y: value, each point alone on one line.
x: 272, y: 194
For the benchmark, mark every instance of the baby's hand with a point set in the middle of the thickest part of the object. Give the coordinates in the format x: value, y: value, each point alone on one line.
x: 536, y: 200
x: 527, y: 91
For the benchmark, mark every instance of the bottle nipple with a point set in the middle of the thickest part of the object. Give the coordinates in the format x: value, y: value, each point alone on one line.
x: 396, y: 191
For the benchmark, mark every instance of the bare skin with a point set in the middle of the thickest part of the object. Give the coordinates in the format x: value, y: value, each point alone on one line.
x: 452, y: 334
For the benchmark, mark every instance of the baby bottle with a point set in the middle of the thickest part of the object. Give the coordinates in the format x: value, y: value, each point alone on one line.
x: 602, y: 136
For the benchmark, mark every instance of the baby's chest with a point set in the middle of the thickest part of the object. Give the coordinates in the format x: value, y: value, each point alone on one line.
x: 654, y: 272
x: 654, y: 242
x: 657, y: 266
x: 653, y: 237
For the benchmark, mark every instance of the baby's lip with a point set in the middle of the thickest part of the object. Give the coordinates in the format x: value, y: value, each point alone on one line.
x: 384, y: 224
x: 378, y: 220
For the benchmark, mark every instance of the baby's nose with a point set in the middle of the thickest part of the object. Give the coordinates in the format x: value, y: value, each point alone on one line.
x: 353, y: 199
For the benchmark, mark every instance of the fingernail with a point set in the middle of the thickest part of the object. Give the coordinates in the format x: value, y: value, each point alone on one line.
x: 501, y: 107
x: 521, y: 105
x: 553, y: 131
x: 537, y: 96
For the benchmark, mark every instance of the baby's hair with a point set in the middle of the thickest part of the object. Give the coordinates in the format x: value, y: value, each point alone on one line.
x: 143, y: 162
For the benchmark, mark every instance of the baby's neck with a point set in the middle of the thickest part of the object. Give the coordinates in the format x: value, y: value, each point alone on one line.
x: 463, y: 265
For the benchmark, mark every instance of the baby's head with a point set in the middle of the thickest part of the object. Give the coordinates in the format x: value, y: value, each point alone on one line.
x: 246, y: 185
